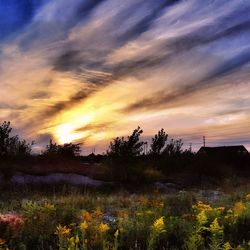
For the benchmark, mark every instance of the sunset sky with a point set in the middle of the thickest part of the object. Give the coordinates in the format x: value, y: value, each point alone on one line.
x: 91, y: 70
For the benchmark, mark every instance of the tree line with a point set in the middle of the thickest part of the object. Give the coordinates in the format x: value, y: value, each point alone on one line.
x: 12, y: 146
x: 125, y: 157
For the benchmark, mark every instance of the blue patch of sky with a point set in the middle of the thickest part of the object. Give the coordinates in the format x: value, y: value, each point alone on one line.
x: 15, y: 14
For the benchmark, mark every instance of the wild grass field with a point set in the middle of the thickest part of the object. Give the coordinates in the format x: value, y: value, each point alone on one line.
x: 166, y: 198
x: 75, y: 218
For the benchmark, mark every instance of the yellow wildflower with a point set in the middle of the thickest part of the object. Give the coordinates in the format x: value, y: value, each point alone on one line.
x: 72, y: 240
x: 103, y: 228
x: 62, y: 230
x: 239, y: 208
x: 149, y: 212
x: 220, y: 209
x: 50, y: 206
x: 84, y: 226
x: 121, y: 230
x: 215, y: 228
x: 86, y: 216
x: 227, y: 246
x: 248, y: 197
x: 2, y: 242
x: 116, y: 234
x: 159, y: 224
x: 97, y: 213
x: 202, y: 217
x: 77, y: 239
x: 201, y: 206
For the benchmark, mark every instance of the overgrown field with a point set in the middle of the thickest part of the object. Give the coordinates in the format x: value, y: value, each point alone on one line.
x: 74, y: 218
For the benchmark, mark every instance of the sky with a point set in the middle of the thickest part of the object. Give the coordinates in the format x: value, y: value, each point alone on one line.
x: 91, y: 70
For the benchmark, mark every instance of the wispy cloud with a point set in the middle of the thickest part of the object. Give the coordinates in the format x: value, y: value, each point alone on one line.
x: 90, y: 70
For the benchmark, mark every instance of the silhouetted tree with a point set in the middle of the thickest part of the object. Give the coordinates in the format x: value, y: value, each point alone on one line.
x: 11, y: 146
x: 123, y: 157
x: 5, y: 131
x: 68, y: 150
x: 51, y: 148
x: 12, y: 150
x: 120, y: 147
x: 159, y: 142
x: 173, y: 147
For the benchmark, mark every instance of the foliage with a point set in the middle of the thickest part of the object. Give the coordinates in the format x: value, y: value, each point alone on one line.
x: 126, y: 148
x: 40, y: 221
x: 67, y: 150
x: 157, y: 229
x: 123, y: 156
x: 12, y: 150
x: 123, y: 221
x: 173, y: 148
x: 11, y: 145
x: 126, y: 160
x: 158, y: 142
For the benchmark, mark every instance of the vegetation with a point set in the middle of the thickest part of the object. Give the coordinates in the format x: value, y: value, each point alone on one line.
x: 159, y: 142
x: 11, y: 145
x: 121, y: 148
x: 126, y: 160
x: 67, y: 150
x: 77, y: 219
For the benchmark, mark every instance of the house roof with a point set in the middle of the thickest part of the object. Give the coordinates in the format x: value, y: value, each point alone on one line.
x: 237, y: 149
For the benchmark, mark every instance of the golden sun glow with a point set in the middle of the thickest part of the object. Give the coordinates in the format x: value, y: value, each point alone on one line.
x: 65, y: 134
x: 71, y: 131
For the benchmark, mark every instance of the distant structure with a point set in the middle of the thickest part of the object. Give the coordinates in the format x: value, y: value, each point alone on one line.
x: 224, y: 150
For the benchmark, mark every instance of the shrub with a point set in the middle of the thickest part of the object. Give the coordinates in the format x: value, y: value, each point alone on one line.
x: 40, y: 223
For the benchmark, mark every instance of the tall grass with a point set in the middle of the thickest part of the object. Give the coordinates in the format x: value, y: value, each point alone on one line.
x: 85, y: 219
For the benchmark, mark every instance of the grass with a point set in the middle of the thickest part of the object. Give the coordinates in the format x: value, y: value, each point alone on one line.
x: 65, y: 217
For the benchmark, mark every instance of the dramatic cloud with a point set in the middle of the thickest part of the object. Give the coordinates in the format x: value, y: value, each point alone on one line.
x: 89, y: 70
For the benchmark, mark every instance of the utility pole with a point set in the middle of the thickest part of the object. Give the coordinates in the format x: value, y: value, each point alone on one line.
x: 204, y: 141
x: 190, y: 147
x: 145, y: 148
